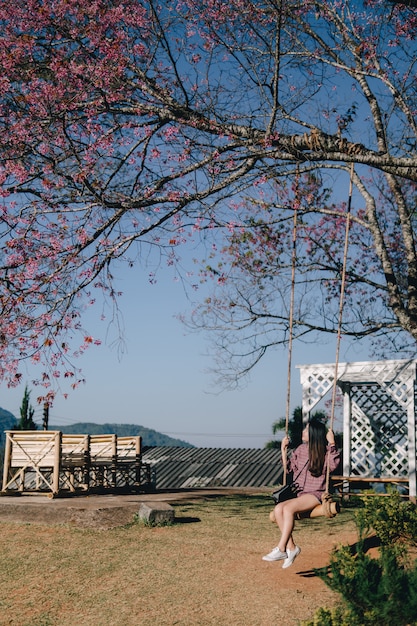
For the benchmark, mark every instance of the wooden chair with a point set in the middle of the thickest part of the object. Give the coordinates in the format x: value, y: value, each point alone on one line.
x: 75, y: 462
x: 103, y: 461
x: 32, y: 461
x: 129, y: 462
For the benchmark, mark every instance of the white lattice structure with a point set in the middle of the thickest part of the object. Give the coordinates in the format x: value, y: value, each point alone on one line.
x: 379, y: 415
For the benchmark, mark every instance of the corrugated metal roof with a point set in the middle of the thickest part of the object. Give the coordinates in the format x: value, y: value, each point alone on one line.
x: 187, y: 468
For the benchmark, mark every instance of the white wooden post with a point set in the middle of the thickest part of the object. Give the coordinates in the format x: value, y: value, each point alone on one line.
x: 347, y: 415
x: 411, y: 414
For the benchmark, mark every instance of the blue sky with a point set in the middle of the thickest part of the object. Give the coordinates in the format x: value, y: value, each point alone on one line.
x: 161, y: 382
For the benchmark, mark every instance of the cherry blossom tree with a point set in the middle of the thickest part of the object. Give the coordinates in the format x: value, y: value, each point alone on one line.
x: 248, y: 312
x: 127, y: 125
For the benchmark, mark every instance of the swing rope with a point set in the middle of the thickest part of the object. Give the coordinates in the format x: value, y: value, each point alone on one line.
x: 328, y: 506
x: 291, y: 313
x: 327, y: 498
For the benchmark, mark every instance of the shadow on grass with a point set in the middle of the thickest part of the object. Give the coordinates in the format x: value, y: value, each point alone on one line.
x: 187, y: 520
x: 368, y: 543
x: 231, y: 505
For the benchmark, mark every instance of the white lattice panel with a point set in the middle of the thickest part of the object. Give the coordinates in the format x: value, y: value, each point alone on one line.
x: 362, y: 444
x: 379, y: 427
x: 316, y: 381
x: 380, y: 414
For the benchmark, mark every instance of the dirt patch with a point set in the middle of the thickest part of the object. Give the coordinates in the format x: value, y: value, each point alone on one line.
x: 101, y: 511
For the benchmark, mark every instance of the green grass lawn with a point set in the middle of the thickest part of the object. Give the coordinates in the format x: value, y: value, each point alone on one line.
x: 204, y: 569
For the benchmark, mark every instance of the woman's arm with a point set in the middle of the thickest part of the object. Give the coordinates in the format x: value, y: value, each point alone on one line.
x: 334, y: 453
x: 284, y: 449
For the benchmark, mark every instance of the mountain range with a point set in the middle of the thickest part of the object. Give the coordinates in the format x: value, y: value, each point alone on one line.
x: 149, y: 437
x: 7, y: 422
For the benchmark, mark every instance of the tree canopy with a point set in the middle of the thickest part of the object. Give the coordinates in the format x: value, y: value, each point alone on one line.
x: 134, y: 124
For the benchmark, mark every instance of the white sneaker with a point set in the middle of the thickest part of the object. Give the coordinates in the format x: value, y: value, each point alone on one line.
x: 275, y: 555
x: 292, y: 555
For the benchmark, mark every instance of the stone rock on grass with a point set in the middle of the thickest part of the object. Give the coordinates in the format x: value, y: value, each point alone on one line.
x: 156, y: 513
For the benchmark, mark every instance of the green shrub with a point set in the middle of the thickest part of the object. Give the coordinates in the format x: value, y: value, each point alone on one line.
x: 375, y: 591
x: 338, y: 616
x: 382, y: 590
x: 392, y: 519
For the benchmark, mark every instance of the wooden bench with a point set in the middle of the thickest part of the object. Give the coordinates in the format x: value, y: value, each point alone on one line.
x: 363, y: 483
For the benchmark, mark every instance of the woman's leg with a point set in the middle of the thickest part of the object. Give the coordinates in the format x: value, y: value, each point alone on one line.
x: 285, y: 513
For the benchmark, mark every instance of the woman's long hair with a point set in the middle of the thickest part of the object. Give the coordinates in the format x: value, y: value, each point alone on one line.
x: 317, y: 446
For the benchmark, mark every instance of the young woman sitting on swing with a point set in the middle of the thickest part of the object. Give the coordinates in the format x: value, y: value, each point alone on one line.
x: 309, y: 463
